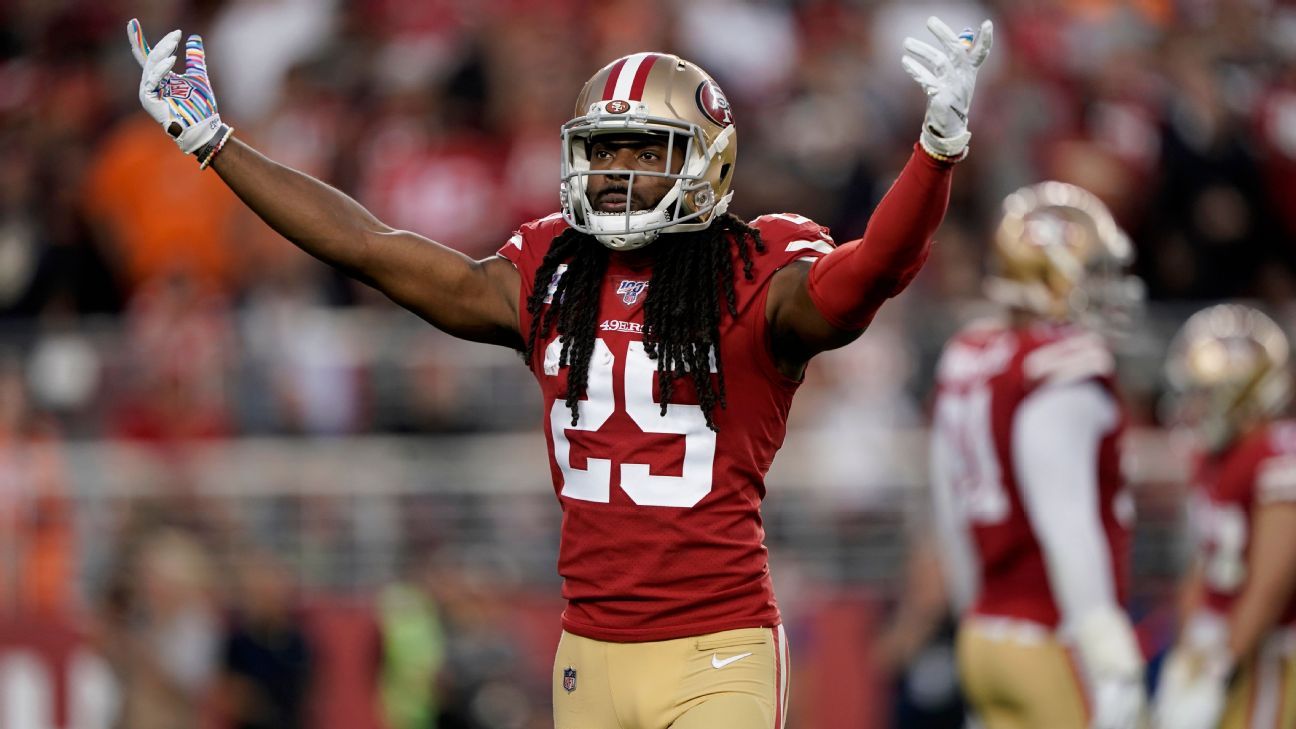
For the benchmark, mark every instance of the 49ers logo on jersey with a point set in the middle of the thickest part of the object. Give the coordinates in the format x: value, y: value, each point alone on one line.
x: 711, y: 100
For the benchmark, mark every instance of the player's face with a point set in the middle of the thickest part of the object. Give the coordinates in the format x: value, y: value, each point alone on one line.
x: 610, y: 193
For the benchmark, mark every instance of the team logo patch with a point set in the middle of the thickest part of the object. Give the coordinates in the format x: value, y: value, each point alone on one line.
x: 569, y: 679
x: 617, y: 107
x: 175, y: 87
x: 711, y: 100
x: 630, y: 291
x: 553, y: 283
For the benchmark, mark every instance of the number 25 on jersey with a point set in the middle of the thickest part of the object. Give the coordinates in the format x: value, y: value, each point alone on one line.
x: 594, y: 482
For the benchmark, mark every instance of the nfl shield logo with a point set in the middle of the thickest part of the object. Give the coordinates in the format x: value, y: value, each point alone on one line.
x: 175, y: 87
x: 630, y: 291
x: 569, y: 679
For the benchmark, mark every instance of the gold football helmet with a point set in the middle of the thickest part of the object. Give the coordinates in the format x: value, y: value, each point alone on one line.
x: 1059, y: 253
x: 660, y: 94
x: 1227, y: 369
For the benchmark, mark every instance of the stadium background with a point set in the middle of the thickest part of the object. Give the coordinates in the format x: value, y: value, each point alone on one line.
x: 197, y: 421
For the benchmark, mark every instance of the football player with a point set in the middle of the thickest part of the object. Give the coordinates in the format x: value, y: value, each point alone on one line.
x: 667, y: 337
x: 1234, y: 664
x: 1025, y: 469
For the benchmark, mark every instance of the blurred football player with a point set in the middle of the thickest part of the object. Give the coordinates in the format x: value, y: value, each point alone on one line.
x: 1025, y: 468
x: 1234, y: 664
x: 667, y: 337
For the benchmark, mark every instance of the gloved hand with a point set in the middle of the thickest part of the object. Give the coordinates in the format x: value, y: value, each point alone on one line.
x: 948, y: 75
x: 1118, y: 702
x: 183, y: 104
x: 1113, y: 664
x: 1192, y: 690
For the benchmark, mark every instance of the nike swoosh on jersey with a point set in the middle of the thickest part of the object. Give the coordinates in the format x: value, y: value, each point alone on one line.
x: 717, y: 663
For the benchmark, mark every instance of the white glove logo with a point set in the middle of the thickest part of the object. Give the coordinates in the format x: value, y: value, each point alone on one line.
x: 948, y: 76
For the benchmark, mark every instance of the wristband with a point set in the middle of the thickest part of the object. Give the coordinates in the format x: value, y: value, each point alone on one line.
x: 208, y: 152
x: 943, y: 157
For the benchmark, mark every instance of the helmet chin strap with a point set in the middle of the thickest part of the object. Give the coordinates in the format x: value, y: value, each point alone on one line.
x: 610, y: 228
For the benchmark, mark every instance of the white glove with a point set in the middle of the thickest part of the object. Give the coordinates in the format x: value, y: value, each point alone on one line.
x: 1118, y: 702
x: 1113, y: 664
x: 1192, y: 690
x: 183, y: 104
x: 948, y: 75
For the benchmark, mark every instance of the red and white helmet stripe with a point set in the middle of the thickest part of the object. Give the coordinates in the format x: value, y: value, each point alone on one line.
x: 629, y: 76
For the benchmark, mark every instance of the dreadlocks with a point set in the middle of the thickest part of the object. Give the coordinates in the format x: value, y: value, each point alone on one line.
x: 682, y: 312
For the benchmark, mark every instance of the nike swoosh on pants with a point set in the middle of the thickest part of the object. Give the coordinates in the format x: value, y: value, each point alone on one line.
x: 717, y: 663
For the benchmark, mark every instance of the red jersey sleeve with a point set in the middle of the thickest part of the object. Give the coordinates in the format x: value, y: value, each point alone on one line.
x: 788, y: 237
x: 527, y: 247
x: 849, y: 286
x: 1275, y: 473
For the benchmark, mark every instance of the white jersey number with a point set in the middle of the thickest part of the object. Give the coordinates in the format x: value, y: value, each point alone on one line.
x: 594, y: 482
x: 963, y: 455
x: 1222, y: 532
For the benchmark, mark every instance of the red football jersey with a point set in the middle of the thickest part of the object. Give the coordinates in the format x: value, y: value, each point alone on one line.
x: 984, y: 375
x: 662, y: 535
x: 1258, y: 469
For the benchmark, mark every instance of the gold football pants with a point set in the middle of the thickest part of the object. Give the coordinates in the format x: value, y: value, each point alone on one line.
x: 734, y: 679
x: 1263, y: 695
x: 1016, y: 675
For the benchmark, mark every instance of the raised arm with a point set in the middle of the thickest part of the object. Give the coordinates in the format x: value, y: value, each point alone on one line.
x: 816, y: 307
x: 475, y: 300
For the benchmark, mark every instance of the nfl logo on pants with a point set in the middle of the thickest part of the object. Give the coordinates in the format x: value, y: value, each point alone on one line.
x: 569, y: 679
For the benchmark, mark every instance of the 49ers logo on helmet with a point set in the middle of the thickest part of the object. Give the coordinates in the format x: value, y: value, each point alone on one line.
x: 617, y: 107
x: 711, y: 100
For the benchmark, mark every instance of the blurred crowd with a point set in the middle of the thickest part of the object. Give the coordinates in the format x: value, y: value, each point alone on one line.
x: 442, y: 118
x: 140, y: 302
